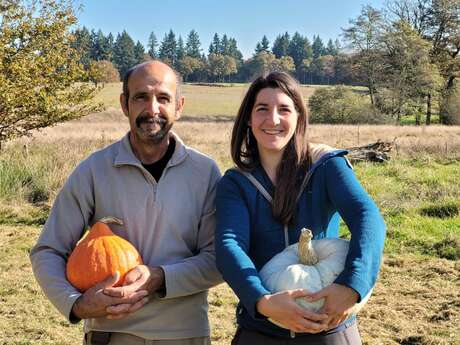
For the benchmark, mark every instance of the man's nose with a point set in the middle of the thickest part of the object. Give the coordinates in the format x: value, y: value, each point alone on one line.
x: 153, y: 106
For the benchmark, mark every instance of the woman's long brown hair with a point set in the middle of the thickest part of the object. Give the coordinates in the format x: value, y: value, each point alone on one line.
x: 295, y: 161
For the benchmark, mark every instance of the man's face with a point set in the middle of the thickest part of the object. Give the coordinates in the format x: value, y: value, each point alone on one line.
x: 152, y: 107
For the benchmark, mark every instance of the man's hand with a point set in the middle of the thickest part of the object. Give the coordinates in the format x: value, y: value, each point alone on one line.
x: 282, y: 308
x: 140, y: 278
x: 95, y: 303
x: 338, y: 304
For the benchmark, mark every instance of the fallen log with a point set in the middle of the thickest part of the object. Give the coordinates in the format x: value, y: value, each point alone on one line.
x: 375, y: 152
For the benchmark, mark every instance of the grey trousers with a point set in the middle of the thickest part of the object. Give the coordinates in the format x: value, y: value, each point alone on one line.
x: 348, y: 336
x: 114, y: 338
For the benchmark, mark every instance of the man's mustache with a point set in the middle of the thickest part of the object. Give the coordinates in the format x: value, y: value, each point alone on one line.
x: 145, y: 118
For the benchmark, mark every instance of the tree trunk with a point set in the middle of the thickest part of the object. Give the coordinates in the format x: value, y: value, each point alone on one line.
x: 428, y: 109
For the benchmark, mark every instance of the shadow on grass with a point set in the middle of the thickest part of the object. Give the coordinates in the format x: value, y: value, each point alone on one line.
x: 35, y: 216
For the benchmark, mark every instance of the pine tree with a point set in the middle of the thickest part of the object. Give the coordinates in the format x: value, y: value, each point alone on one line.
x: 265, y: 43
x: 331, y: 48
x: 139, y: 52
x: 234, y: 52
x: 224, y: 45
x: 281, y: 45
x: 123, y: 53
x: 193, y: 45
x: 152, y: 45
x: 82, y: 44
x: 299, y: 49
x: 168, y: 49
x: 258, y: 49
x: 110, y: 43
x: 318, y: 47
x: 180, y: 50
x: 214, y: 47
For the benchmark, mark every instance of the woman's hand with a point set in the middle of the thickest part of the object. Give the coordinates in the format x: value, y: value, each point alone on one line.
x: 338, y: 304
x: 282, y: 308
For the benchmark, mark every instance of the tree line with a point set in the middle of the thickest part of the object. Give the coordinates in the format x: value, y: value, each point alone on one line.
x: 223, y: 62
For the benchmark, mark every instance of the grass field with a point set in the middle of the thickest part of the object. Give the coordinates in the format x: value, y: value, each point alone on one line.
x: 416, y: 300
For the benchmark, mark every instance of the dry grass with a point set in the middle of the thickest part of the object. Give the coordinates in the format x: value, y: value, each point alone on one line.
x: 208, y: 133
x: 200, y: 100
x: 415, y: 302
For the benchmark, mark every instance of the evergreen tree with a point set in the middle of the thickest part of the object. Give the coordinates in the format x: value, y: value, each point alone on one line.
x: 317, y: 47
x: 299, y: 49
x: 110, y: 43
x: 262, y: 46
x: 265, y: 43
x: 193, y: 45
x: 152, y: 45
x: 234, y: 52
x: 258, y: 49
x: 281, y: 45
x: 180, y: 50
x: 100, y: 46
x: 94, y: 51
x: 331, y: 48
x: 139, y: 52
x: 82, y: 43
x: 168, y: 49
x: 224, y: 45
x: 123, y: 53
x: 214, y: 47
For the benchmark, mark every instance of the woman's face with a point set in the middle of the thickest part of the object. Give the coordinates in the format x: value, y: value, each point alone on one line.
x: 273, y: 120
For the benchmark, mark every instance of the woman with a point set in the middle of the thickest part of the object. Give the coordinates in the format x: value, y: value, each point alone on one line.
x: 309, y: 188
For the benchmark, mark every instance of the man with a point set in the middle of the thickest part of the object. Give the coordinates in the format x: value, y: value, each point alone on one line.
x: 164, y: 193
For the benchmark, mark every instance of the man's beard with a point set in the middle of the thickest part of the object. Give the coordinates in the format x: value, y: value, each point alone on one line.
x: 150, y: 129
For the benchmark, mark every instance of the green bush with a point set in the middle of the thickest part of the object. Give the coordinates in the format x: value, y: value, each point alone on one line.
x: 342, y: 105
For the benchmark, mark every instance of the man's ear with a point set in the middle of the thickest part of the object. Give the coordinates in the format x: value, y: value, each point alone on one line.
x: 179, y: 107
x: 123, y: 103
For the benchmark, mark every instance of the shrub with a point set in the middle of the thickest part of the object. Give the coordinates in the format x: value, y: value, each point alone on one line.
x: 341, y: 104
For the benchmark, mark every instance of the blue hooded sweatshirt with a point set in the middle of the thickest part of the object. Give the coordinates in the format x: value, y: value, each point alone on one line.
x: 248, y: 236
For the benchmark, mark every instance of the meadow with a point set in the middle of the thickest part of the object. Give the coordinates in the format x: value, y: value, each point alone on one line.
x: 417, y: 298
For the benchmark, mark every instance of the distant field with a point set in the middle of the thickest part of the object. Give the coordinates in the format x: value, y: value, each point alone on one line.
x: 199, y: 100
x: 417, y: 298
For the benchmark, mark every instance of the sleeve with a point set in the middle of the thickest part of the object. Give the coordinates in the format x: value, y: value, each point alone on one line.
x: 365, y: 222
x: 69, y: 217
x: 232, y: 246
x: 199, y: 272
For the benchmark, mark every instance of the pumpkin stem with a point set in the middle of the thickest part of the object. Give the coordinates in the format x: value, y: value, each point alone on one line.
x: 111, y: 220
x: 307, y: 255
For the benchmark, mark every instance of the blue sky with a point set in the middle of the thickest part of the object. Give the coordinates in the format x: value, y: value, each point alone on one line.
x: 245, y: 20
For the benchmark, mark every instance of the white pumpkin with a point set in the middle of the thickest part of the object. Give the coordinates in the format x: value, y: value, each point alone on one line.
x: 309, y: 264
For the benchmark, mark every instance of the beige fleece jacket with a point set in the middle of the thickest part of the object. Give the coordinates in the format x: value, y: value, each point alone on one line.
x: 171, y: 223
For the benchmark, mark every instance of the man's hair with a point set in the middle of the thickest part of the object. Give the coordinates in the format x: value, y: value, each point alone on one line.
x: 295, y: 161
x: 132, y: 69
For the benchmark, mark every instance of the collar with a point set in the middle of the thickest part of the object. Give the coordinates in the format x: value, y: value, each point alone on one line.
x: 126, y: 156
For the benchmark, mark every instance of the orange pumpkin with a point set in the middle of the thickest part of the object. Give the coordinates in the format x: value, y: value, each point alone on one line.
x: 99, y: 255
